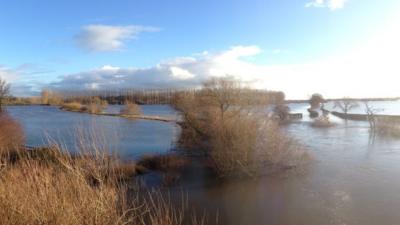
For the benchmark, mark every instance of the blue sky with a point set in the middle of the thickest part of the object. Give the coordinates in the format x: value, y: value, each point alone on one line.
x: 149, y: 43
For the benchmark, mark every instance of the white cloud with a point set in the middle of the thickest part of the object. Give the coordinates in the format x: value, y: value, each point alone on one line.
x: 24, y: 78
x: 180, y: 73
x: 8, y: 74
x: 331, y: 4
x: 371, y: 70
x: 95, y: 38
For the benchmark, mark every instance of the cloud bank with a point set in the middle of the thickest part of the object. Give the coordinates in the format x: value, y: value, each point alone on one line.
x: 331, y: 4
x: 362, y: 73
x: 177, y: 73
x: 24, y: 78
x: 103, y: 38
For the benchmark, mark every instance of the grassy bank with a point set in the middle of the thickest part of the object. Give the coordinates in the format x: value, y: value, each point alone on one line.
x: 51, y: 186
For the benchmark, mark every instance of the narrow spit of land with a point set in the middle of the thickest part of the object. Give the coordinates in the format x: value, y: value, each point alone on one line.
x: 142, y: 117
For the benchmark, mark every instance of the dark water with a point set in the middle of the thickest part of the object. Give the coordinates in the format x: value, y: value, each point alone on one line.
x: 131, y: 138
x: 353, y: 179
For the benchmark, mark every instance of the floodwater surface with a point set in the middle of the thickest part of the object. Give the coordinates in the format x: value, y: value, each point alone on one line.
x: 130, y: 138
x: 353, y: 178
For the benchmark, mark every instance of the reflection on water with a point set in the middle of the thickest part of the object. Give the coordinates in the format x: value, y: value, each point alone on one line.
x: 350, y: 181
x: 131, y: 138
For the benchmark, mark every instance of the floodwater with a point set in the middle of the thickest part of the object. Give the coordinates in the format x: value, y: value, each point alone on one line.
x: 130, y: 138
x: 352, y: 180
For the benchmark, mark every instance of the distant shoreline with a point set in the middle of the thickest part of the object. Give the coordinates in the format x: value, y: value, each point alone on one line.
x: 286, y: 101
x: 353, y: 99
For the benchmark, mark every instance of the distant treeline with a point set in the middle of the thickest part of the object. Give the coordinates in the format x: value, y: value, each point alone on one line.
x: 151, y: 96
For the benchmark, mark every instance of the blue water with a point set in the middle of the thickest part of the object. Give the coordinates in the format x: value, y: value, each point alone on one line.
x: 129, y: 138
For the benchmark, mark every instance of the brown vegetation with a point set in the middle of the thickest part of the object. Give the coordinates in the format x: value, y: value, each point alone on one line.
x: 50, y: 186
x: 4, y: 92
x: 73, y: 106
x: 95, y: 106
x: 131, y: 109
x: 49, y: 97
x: 224, y: 122
x: 11, y: 134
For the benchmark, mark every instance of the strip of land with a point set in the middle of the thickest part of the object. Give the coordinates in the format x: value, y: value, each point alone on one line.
x: 141, y: 117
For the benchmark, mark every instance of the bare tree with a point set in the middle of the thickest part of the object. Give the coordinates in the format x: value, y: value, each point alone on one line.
x: 371, y: 115
x: 4, y: 92
x: 346, y: 104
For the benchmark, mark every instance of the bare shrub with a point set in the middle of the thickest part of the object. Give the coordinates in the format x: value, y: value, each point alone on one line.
x: 4, y: 92
x: 11, y: 134
x: 222, y: 120
x: 49, y: 97
x: 131, y: 109
x: 96, y: 106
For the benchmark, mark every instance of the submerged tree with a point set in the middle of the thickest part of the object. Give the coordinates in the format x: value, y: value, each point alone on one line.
x: 4, y: 92
x: 371, y: 115
x: 346, y: 104
x: 316, y: 100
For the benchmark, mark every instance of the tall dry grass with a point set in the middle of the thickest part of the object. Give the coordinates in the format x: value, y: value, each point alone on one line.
x: 52, y: 186
x: 222, y: 121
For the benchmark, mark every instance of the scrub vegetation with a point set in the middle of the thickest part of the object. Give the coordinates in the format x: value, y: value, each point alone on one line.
x: 52, y: 186
x: 226, y: 121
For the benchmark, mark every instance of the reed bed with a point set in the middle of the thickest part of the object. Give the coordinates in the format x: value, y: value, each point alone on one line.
x: 52, y: 186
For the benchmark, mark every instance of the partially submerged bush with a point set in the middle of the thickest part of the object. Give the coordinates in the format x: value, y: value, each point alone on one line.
x: 254, y: 146
x: 223, y: 122
x: 131, y: 109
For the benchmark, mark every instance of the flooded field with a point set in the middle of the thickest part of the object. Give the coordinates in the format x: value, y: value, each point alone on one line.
x: 130, y: 138
x: 352, y: 179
